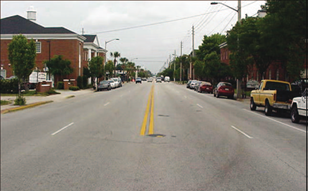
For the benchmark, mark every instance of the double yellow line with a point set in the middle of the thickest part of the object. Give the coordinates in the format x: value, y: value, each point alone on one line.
x: 150, y: 104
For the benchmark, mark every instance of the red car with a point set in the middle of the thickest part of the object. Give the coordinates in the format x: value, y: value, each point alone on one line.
x: 224, y: 89
x: 205, y: 87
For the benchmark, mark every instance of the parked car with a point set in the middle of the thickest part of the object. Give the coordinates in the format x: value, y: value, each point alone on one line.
x: 112, y: 83
x: 188, y: 84
x: 224, y: 89
x: 158, y: 80
x: 192, y: 84
x: 138, y: 80
x: 167, y: 79
x: 144, y: 79
x: 205, y: 87
x: 196, y: 85
x: 117, y: 81
x: 104, y: 85
x: 299, y: 107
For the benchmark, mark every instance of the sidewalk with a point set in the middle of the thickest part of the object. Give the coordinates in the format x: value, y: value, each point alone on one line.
x: 37, y: 100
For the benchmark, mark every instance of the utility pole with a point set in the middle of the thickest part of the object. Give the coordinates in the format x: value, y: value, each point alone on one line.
x: 191, y: 63
x: 180, y: 70
x: 169, y: 64
x: 174, y: 65
x: 238, y: 81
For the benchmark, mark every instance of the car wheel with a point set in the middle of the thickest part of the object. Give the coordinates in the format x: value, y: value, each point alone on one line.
x: 230, y: 97
x: 252, y: 105
x: 217, y: 95
x: 214, y: 94
x: 294, y: 114
x: 268, y: 109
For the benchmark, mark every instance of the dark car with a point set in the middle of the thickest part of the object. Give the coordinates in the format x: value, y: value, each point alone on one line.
x: 224, y: 89
x: 138, y: 80
x: 205, y: 87
x: 104, y: 85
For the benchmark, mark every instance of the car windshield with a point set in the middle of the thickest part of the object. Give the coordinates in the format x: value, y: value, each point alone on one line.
x: 103, y: 82
x: 154, y: 95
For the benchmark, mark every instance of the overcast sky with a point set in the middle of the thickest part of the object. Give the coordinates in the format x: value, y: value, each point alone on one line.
x: 152, y: 44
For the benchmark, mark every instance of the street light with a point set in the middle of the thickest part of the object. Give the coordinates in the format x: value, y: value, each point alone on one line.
x: 106, y: 52
x: 174, y: 65
x: 238, y: 10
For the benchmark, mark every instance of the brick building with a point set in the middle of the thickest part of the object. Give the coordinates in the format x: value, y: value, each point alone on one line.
x: 50, y: 41
x: 274, y: 71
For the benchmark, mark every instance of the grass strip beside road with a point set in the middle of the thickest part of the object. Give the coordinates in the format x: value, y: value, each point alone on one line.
x: 24, y: 107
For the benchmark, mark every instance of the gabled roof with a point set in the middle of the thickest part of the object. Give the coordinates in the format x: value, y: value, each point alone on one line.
x: 19, y: 25
x: 90, y: 38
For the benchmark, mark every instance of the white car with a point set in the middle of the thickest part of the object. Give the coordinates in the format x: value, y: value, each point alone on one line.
x: 117, y: 82
x: 113, y: 83
x: 166, y: 79
x: 299, y: 108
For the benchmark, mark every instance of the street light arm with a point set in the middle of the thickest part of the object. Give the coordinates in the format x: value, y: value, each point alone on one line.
x: 110, y: 40
x: 215, y: 3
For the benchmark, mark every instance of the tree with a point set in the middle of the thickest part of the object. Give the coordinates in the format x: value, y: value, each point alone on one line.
x: 214, y: 69
x: 109, y: 67
x: 115, y: 55
x: 285, y: 31
x: 96, y: 67
x: 59, y: 67
x: 22, y: 55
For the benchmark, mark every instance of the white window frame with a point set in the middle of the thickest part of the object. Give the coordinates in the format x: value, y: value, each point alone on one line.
x: 40, y: 47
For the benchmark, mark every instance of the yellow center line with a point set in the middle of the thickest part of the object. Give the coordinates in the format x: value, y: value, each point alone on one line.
x: 144, y: 125
x: 150, y: 131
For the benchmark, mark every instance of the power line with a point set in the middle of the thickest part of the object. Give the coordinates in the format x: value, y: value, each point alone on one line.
x: 158, y: 23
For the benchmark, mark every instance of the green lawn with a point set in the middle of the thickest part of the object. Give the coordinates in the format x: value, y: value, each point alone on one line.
x: 31, y: 93
x: 3, y: 102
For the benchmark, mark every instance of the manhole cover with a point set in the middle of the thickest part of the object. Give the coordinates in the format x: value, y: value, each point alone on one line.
x: 156, y: 135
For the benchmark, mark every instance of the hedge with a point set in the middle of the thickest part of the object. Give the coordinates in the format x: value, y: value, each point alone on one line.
x: 9, y: 86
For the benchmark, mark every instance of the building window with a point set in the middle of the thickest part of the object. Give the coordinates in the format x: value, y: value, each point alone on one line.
x: 38, y: 47
x: 277, y: 75
x: 3, y: 73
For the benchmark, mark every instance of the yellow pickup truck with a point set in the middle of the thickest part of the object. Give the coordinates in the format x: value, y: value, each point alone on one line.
x: 272, y: 94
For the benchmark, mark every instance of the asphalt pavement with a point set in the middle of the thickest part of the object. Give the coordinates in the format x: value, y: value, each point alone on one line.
x: 192, y: 141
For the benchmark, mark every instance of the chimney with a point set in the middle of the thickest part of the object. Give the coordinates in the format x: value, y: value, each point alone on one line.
x: 31, y: 14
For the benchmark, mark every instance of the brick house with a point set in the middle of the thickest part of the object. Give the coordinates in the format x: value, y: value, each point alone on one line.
x: 50, y: 41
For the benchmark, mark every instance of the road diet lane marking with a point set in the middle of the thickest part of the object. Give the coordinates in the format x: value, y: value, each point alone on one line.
x: 277, y: 121
x: 106, y: 103
x: 62, y: 128
x: 241, y: 132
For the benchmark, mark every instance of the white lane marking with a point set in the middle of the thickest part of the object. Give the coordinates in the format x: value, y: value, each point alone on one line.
x: 199, y: 105
x: 277, y: 121
x: 106, y: 104
x: 241, y: 132
x: 63, y: 128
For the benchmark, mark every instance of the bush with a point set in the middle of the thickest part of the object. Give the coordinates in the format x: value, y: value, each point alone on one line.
x: 60, y: 85
x: 20, y: 100
x: 80, y: 82
x: 52, y: 92
x: 9, y: 86
x: 74, y: 88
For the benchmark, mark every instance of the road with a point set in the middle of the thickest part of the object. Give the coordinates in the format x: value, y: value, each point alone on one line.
x: 151, y: 136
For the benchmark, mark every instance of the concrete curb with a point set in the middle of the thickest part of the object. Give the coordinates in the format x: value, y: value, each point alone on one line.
x: 24, y: 107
